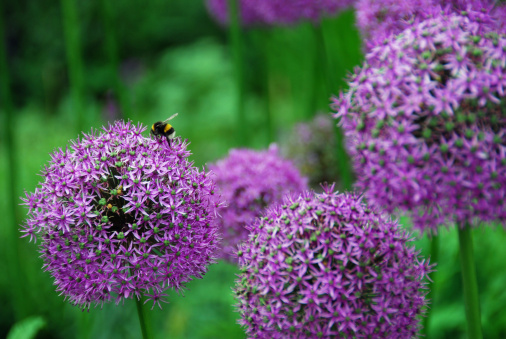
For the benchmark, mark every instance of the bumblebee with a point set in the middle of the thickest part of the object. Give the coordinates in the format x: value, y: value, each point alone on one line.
x: 162, y: 128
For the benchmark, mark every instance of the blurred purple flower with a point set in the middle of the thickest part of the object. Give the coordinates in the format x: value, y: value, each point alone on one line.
x: 425, y: 120
x: 111, y: 110
x: 311, y: 146
x: 120, y: 215
x: 325, y: 265
x: 249, y: 181
x: 278, y: 12
x: 378, y: 19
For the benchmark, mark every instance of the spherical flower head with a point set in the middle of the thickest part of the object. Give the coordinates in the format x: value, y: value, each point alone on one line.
x: 327, y: 266
x: 277, y: 12
x: 120, y: 215
x: 425, y: 121
x: 377, y: 20
x: 311, y: 146
x: 249, y: 181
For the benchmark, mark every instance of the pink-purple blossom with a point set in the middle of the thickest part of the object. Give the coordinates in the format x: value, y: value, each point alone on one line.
x: 248, y: 181
x: 119, y: 216
x: 378, y: 19
x: 328, y: 266
x: 311, y: 147
x: 425, y: 122
x: 277, y: 12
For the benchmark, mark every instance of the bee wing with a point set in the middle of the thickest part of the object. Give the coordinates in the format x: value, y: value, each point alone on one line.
x: 171, y: 117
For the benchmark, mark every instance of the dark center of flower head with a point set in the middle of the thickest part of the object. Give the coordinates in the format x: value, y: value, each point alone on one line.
x: 111, y: 204
x: 128, y: 211
x: 463, y: 123
x: 257, y: 204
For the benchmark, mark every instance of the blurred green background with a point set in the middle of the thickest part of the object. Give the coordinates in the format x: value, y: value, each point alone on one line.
x: 144, y: 61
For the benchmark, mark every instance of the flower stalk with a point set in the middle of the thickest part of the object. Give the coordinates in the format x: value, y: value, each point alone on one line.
x: 264, y: 41
x: 74, y: 58
x: 470, y: 283
x: 434, y: 257
x: 111, y: 50
x: 235, y: 36
x: 343, y: 162
x: 146, y: 334
x: 10, y: 251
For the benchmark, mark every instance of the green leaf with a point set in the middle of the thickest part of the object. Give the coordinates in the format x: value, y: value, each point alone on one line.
x: 27, y: 328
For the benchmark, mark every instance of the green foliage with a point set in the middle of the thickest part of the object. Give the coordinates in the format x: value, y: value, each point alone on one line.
x: 448, y: 317
x: 27, y: 328
x: 144, y: 28
x: 208, y: 303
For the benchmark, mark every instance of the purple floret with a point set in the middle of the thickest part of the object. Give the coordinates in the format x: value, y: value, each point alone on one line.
x: 120, y: 215
x: 378, y: 19
x: 277, y: 12
x: 249, y: 181
x: 327, y: 266
x: 311, y: 146
x: 425, y: 120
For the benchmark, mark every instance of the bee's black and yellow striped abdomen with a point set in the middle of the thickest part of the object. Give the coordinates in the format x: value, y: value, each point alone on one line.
x: 160, y: 128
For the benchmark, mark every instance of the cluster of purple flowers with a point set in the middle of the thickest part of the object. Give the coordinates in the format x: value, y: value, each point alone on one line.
x: 311, y: 146
x: 120, y: 215
x: 249, y: 181
x: 326, y: 265
x: 377, y: 20
x: 425, y: 120
x: 277, y: 12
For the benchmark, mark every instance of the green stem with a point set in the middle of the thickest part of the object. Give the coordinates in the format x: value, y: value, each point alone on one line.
x: 74, y: 59
x: 343, y: 161
x: 235, y: 36
x: 318, y: 72
x: 11, y: 250
x: 469, y: 282
x: 343, y: 45
x: 111, y: 50
x: 84, y: 325
x: 142, y: 318
x: 264, y: 45
x: 434, y: 258
x: 344, y: 166
x: 322, y: 59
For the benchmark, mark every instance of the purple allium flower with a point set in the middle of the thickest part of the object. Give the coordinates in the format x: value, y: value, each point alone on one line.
x: 378, y: 19
x: 249, y: 181
x: 425, y: 118
x: 311, y: 146
x: 120, y: 215
x: 278, y: 12
x: 327, y: 266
